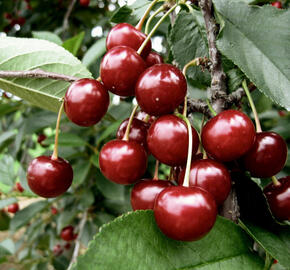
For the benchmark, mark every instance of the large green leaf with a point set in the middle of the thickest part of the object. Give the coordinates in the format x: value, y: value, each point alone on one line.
x: 255, y: 39
x: 46, y: 35
x: 134, y: 241
x: 17, y: 54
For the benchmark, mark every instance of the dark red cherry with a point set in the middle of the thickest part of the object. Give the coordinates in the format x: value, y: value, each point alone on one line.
x: 53, y: 210
x: 41, y: 137
x: 57, y: 250
x: 120, y: 70
x: 18, y: 187
x: 49, y: 178
x: 167, y: 140
x: 84, y: 3
x: 279, y: 198
x: 67, y: 233
x: 153, y: 58
x: 123, y: 162
x: 160, y: 89
x: 228, y: 136
x: 138, y: 131
x: 143, y: 116
x: 13, y: 208
x: 144, y: 193
x: 267, y: 156
x: 124, y: 34
x: 67, y: 246
x: 210, y: 175
x: 185, y: 214
x: 277, y: 4
x: 86, y: 102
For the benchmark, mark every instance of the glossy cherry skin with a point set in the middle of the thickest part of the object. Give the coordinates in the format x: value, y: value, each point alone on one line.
x: 67, y: 233
x: 279, y: 198
x: 267, y: 156
x: 185, y: 214
x: 160, y: 89
x: 277, y: 4
x: 124, y: 34
x: 138, y: 131
x: 120, y: 70
x: 49, y: 178
x: 210, y: 175
x: 13, y: 208
x: 84, y: 3
x: 144, y: 193
x: 86, y: 102
x: 167, y: 140
x: 123, y: 162
x: 153, y: 58
x: 18, y: 187
x: 228, y: 136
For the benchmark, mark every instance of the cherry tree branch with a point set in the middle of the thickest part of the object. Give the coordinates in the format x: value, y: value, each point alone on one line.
x: 235, y: 97
x: 67, y: 15
x: 197, y: 105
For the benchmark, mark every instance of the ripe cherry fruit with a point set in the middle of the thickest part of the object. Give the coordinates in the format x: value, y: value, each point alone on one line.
x: 84, y: 3
x: 185, y: 213
x: 57, y: 250
x: 49, y: 178
x: 277, y: 4
x: 153, y: 58
x: 86, y: 102
x: 40, y: 138
x: 13, y: 208
x: 67, y: 233
x: 18, y: 187
x: 160, y: 89
x: 228, y: 136
x: 53, y: 210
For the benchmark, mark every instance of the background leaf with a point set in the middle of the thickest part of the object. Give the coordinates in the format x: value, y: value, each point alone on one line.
x: 46, y: 35
x: 73, y: 44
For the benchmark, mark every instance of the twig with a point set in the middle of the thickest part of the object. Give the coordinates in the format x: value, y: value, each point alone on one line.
x: 36, y: 73
x: 197, y: 105
x: 235, y: 97
x: 67, y: 14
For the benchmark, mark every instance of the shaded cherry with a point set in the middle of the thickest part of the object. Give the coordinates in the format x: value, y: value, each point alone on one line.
x: 153, y: 58
x: 160, y: 89
x: 40, y: 138
x: 86, y: 102
x: 277, y: 4
x: 57, y: 250
x: 49, y: 178
x: 167, y: 140
x: 228, y: 136
x: 124, y: 34
x: 67, y: 246
x: 84, y: 3
x: 267, y: 156
x: 144, y: 193
x: 120, y: 70
x: 210, y: 175
x: 185, y: 213
x: 123, y: 162
x: 67, y: 233
x: 18, y: 187
x: 278, y: 197
x: 13, y: 208
x: 53, y: 210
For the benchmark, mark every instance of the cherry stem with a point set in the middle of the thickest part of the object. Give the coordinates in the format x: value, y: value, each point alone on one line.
x: 155, y: 28
x: 275, y: 181
x: 99, y: 79
x: 55, y: 150
x: 126, y: 135
x: 142, y: 20
x: 146, y: 119
x: 257, y: 121
x: 151, y: 18
x: 210, y: 108
x: 155, y: 177
x: 189, y: 152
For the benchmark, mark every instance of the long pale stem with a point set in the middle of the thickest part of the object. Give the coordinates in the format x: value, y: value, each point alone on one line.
x: 275, y: 181
x: 155, y: 177
x: 142, y: 20
x: 151, y: 18
x: 127, y: 132
x: 55, y: 150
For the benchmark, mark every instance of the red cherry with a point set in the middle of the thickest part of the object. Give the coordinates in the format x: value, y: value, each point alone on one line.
x: 167, y: 140
x: 86, y: 102
x: 84, y: 3
x: 143, y: 117
x: 67, y: 246
x: 120, y: 70
x: 18, y: 187
x: 279, y: 198
x: 13, y: 208
x: 160, y: 89
x: 21, y: 21
x: 123, y: 162
x: 228, y: 136
x: 57, y: 250
x: 124, y: 34
x: 138, y: 131
x: 282, y: 113
x: 185, y: 214
x: 144, y: 193
x: 53, y: 210
x: 210, y: 175
x: 267, y: 156
x: 153, y: 58
x: 41, y: 138
x: 49, y: 178
x: 277, y: 4
x: 67, y: 233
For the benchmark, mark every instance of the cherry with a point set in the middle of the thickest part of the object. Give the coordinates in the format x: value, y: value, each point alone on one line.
x: 278, y: 197
x: 84, y: 3
x: 185, y: 214
x: 282, y: 113
x: 41, y: 137
x: 277, y: 4
x: 138, y: 131
x: 67, y: 233
x: 167, y: 140
x: 53, y: 210
x: 124, y: 34
x: 13, y: 208
x: 144, y: 193
x: 210, y: 175
x: 86, y: 102
x: 160, y: 89
x: 228, y: 136
x: 153, y: 58
x: 143, y: 116
x: 120, y: 70
x: 67, y: 246
x: 57, y: 250
x: 123, y: 162
x: 49, y: 178
x: 18, y: 187
x: 267, y: 156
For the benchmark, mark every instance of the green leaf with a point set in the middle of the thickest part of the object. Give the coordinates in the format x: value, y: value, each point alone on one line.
x: 133, y: 241
x: 7, y: 173
x: 73, y: 44
x: 6, y: 202
x: 66, y: 139
x: 94, y: 52
x: 4, y: 221
x: 254, y: 39
x: 81, y: 170
x: 7, y: 135
x: 109, y: 130
x: 28, y: 54
x: 46, y: 35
